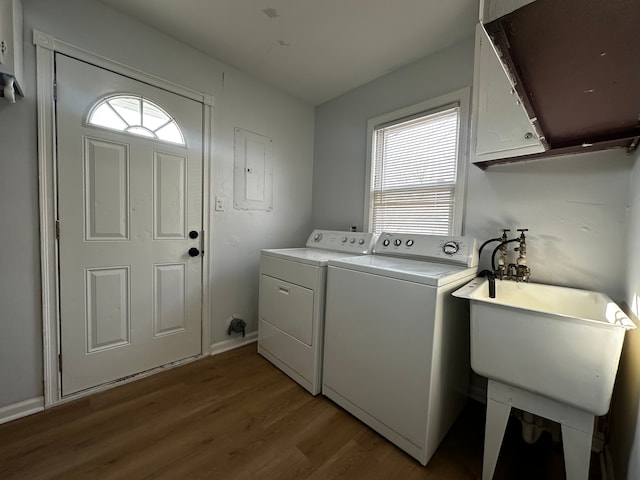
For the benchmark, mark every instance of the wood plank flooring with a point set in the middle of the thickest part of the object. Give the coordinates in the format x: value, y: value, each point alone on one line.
x: 235, y: 416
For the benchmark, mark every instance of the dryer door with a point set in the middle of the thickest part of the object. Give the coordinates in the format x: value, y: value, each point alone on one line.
x: 287, y: 306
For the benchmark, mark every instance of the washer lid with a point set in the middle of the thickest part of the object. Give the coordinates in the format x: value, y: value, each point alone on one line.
x: 310, y: 256
x: 427, y: 273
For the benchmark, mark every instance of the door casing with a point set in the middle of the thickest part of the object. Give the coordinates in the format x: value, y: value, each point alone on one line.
x: 46, y: 47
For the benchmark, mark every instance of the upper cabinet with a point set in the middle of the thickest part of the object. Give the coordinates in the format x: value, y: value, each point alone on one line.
x: 491, y: 10
x: 501, y: 125
x: 555, y: 77
x: 11, y: 49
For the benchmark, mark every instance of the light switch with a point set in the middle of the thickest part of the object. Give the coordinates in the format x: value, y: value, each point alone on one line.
x: 219, y: 204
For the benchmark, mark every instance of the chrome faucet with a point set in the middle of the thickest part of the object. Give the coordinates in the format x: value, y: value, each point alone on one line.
x: 518, y: 271
x: 501, y: 270
x: 522, y: 270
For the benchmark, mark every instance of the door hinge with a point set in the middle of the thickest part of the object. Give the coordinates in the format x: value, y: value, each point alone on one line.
x: 57, y: 229
x: 55, y: 92
x: 60, y: 362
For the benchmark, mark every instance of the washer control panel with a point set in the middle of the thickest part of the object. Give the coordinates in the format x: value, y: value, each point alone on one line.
x: 456, y: 250
x: 355, y: 242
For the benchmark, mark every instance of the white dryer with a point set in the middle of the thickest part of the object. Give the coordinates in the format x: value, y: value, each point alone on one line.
x: 292, y: 300
x: 396, y: 348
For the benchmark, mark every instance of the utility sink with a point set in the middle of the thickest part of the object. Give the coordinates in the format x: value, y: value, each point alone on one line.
x: 561, y: 343
x: 551, y: 351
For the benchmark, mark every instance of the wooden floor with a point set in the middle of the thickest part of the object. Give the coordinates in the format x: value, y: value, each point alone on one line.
x: 235, y: 416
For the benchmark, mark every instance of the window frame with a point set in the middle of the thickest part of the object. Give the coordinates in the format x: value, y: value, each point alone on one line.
x: 459, y: 98
x: 106, y: 99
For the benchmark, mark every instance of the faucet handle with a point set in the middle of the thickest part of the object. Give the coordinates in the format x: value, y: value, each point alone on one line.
x: 522, y: 230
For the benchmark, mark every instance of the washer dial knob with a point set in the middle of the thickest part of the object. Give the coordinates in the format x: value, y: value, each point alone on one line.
x: 397, y: 242
x: 353, y: 240
x: 318, y: 237
x: 386, y: 242
x: 344, y: 239
x: 451, y: 247
x: 361, y: 241
x: 410, y: 243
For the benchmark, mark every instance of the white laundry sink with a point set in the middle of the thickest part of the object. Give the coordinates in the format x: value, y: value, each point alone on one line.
x: 561, y: 343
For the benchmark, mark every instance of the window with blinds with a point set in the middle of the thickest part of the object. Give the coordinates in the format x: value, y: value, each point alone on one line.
x: 414, y: 173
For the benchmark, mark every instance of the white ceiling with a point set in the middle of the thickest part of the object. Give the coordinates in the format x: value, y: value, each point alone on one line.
x: 314, y: 50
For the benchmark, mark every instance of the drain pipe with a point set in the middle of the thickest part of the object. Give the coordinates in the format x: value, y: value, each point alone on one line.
x: 492, y: 281
x: 532, y: 427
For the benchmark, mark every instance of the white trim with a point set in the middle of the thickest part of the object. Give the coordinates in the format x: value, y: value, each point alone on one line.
x: 48, y: 42
x: 232, y: 343
x: 46, y: 46
x: 207, y: 240
x: 21, y: 409
x: 462, y: 98
x: 48, y: 215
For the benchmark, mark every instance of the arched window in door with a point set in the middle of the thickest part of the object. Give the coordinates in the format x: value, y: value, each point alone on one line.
x: 136, y: 115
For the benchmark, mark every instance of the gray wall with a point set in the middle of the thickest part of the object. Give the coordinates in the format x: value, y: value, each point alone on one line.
x: 238, y: 236
x: 341, y: 127
x: 20, y: 317
x: 572, y: 205
x: 576, y: 207
x: 625, y: 408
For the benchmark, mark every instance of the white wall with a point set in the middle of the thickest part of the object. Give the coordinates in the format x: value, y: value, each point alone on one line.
x: 238, y: 236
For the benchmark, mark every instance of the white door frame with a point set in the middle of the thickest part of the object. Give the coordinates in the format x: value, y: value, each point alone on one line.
x: 46, y: 47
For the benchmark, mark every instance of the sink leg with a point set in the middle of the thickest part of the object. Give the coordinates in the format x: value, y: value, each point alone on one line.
x: 497, y: 416
x: 577, y: 451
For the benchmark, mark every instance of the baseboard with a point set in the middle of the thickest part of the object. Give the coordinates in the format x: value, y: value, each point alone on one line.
x: 232, y: 343
x: 21, y: 409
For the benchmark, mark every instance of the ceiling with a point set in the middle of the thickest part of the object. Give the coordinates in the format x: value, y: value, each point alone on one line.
x: 314, y: 50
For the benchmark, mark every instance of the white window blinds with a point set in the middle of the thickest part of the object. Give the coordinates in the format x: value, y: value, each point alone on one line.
x: 414, y: 174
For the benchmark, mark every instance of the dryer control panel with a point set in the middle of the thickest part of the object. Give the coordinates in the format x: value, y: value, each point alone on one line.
x: 337, y: 241
x: 434, y: 248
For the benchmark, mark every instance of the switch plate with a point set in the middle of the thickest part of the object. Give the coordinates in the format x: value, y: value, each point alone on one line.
x: 219, y: 204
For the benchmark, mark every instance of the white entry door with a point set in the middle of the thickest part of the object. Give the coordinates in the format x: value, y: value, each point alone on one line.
x: 129, y: 169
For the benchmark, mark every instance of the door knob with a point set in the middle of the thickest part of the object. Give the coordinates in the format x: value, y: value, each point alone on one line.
x: 194, y: 252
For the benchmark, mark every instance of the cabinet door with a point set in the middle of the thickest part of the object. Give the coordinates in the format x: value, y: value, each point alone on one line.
x: 502, y: 127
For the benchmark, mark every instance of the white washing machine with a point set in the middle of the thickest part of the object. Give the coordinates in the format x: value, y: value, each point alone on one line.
x: 292, y: 300
x: 396, y: 345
